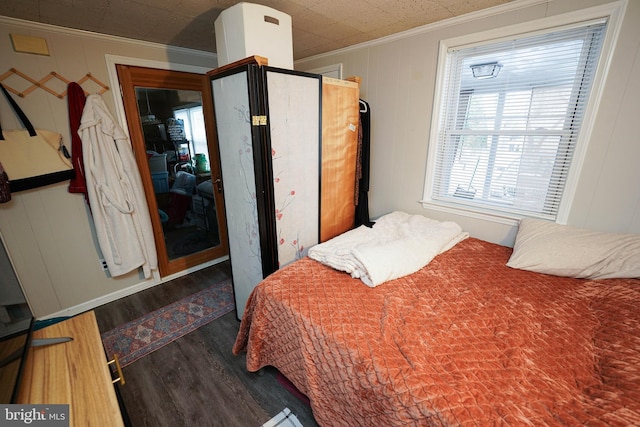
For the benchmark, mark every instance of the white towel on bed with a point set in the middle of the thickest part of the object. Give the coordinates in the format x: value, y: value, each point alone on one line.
x: 397, y: 245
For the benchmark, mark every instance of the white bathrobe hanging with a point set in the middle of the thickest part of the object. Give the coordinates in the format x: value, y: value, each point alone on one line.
x: 118, y: 204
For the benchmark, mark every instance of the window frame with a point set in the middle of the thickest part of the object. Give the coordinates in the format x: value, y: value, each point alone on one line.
x: 190, y: 112
x: 613, y: 13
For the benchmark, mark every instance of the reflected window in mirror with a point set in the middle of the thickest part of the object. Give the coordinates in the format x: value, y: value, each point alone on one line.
x: 177, y: 149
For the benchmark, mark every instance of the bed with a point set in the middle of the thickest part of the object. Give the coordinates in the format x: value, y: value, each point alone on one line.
x: 465, y: 340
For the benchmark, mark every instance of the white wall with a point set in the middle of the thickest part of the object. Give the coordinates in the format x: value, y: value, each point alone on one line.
x: 399, y: 74
x: 48, y: 231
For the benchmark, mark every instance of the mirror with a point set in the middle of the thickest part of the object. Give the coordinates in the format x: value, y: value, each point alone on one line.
x: 178, y: 155
x: 166, y: 114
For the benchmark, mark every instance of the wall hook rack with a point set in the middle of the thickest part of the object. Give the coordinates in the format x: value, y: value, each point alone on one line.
x: 35, y: 84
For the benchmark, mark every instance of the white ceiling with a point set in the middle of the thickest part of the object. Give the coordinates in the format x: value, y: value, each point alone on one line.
x: 318, y: 25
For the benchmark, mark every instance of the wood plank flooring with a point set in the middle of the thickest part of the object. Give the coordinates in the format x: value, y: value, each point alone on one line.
x: 196, y: 380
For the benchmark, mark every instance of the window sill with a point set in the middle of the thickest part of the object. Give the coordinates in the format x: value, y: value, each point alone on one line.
x: 499, y: 218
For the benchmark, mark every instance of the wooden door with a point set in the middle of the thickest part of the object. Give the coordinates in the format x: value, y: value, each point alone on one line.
x: 184, y: 198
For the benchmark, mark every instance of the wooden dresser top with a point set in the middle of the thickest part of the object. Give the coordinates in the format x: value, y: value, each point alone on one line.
x: 74, y: 373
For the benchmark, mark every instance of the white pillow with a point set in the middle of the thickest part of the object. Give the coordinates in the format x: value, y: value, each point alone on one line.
x: 561, y: 250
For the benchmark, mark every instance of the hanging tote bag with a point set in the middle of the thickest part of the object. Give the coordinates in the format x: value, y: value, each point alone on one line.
x: 32, y: 158
x: 5, y: 192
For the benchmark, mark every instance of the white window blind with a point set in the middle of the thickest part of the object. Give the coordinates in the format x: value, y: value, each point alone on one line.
x: 505, y: 142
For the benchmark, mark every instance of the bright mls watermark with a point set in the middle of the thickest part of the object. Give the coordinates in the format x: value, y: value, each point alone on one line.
x: 36, y: 415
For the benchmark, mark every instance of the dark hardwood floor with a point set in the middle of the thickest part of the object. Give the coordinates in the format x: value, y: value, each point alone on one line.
x: 196, y: 380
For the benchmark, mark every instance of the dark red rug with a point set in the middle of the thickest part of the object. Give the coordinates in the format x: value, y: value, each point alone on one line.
x: 148, y: 333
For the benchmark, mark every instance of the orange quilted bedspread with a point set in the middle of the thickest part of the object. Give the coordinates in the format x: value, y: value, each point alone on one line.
x: 464, y: 341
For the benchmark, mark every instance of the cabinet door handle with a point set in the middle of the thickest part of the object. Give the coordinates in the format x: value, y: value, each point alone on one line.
x: 120, y: 378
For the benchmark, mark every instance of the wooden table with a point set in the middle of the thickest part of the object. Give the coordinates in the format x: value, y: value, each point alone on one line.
x: 74, y: 373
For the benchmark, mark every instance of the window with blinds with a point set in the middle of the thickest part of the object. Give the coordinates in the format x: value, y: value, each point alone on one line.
x: 510, y: 116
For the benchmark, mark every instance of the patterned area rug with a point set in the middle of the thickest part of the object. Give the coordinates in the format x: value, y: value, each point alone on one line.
x: 146, y: 334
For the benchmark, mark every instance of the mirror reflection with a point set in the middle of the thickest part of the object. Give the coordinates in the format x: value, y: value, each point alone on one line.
x: 177, y: 152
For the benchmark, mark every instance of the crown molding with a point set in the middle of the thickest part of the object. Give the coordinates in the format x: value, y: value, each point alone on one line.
x: 456, y: 20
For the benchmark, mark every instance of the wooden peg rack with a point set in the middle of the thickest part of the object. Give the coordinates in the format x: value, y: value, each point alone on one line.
x: 41, y: 84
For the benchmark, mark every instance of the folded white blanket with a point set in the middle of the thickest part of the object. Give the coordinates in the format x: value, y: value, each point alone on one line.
x: 397, y: 245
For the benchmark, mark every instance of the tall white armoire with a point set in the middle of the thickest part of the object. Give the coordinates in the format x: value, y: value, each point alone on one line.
x: 269, y: 135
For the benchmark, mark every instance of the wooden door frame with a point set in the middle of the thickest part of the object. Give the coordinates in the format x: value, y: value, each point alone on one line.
x: 129, y: 77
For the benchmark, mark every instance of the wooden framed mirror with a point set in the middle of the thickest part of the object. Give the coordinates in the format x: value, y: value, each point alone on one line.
x: 170, y: 120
